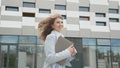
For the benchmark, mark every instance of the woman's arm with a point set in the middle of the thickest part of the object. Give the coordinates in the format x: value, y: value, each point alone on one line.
x: 51, y: 56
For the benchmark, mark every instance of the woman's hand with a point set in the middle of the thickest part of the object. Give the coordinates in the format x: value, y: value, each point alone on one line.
x: 72, y: 50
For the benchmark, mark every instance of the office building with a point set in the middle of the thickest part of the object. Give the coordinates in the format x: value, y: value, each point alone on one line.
x: 93, y: 25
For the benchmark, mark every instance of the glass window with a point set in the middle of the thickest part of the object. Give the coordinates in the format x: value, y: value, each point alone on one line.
x: 115, y: 53
x: 77, y: 62
x: 39, y: 41
x: 113, y: 20
x: 103, y: 57
x: 27, y: 39
x: 10, y: 8
x: 100, y: 15
x: 88, y: 41
x: 84, y: 18
x: 9, y: 39
x: 60, y: 7
x: 103, y: 42
x: 115, y: 42
x: 98, y: 23
x: 29, y: 4
x: 85, y: 9
x: 25, y: 14
x: 116, y: 11
x: 45, y: 11
x: 64, y: 16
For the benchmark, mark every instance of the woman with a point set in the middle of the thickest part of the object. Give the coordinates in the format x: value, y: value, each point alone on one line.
x: 50, y: 30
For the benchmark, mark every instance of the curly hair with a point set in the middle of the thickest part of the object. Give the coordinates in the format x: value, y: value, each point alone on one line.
x: 45, y: 26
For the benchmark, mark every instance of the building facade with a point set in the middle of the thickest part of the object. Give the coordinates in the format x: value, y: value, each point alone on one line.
x: 93, y: 25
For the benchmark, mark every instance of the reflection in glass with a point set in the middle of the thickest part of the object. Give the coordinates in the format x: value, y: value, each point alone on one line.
x: 4, y: 51
x: 12, y: 56
x: 29, y: 4
x: 87, y: 41
x: 47, y: 11
x: 85, y: 9
x: 89, y: 52
x: 103, y: 41
x: 115, y: 52
x: 28, y: 51
x: 60, y: 7
x: 9, y: 39
x: 115, y: 42
x: 103, y: 57
x: 27, y: 39
x: 9, y: 56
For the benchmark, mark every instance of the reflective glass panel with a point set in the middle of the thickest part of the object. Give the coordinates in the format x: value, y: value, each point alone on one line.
x: 100, y: 23
x: 113, y: 20
x: 44, y: 11
x: 103, y: 57
x: 85, y: 9
x: 115, y: 42
x: 28, y: 4
x: 103, y: 42
x: 10, y: 8
x: 9, y: 39
x: 87, y: 41
x: 60, y: 7
x: 115, y: 52
x: 100, y: 14
x: 27, y: 39
x: 115, y: 11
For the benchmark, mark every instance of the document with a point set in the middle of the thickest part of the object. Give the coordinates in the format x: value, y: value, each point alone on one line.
x: 61, y: 44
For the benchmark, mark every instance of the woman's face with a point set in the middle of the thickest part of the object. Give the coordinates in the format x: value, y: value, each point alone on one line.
x: 58, y: 25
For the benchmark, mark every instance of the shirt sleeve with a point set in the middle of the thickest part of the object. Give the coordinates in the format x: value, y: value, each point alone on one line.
x: 51, y: 56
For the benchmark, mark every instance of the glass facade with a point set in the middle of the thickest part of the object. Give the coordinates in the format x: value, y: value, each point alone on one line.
x: 18, y: 51
x: 28, y: 51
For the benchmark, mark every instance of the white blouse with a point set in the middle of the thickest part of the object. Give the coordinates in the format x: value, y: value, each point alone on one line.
x: 51, y: 56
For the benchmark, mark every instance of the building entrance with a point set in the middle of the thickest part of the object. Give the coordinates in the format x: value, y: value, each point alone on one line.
x: 8, y: 56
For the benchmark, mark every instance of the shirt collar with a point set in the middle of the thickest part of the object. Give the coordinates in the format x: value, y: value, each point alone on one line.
x: 57, y: 33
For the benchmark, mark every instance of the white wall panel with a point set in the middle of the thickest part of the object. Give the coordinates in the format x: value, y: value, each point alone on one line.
x: 72, y: 14
x: 27, y: 21
x: 9, y: 13
x: 25, y: 9
x: 11, y: 24
x: 73, y: 1
x: 100, y: 29
x: 115, y: 26
x: 73, y: 27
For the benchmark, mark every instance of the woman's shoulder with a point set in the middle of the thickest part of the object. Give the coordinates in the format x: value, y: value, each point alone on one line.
x: 51, y: 36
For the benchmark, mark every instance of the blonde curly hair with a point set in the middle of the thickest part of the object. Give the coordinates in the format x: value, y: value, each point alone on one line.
x: 45, y: 26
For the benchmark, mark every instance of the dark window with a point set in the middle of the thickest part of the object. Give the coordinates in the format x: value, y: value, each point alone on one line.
x: 116, y: 11
x: 44, y: 11
x: 10, y: 8
x: 60, y: 7
x: 64, y: 16
x: 100, y: 15
x: 25, y: 14
x: 86, y: 9
x: 29, y: 4
x: 100, y: 23
x: 84, y: 18
x: 113, y: 20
